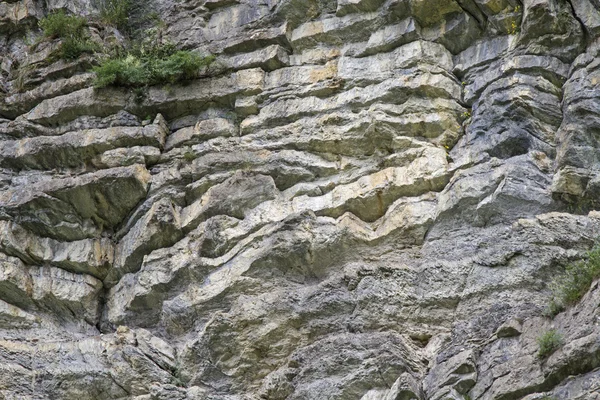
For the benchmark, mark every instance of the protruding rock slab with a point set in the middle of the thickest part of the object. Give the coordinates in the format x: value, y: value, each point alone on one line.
x: 12, y: 317
x: 234, y: 198
x: 160, y: 227
x: 74, y: 149
x: 77, y: 207
x: 125, y: 364
x: 88, y: 256
x: 82, y: 102
x: 49, y: 289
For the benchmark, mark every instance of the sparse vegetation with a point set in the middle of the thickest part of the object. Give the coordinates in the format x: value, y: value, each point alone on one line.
x: 146, y: 67
x: 70, y: 29
x: 549, y: 342
x: 21, y: 76
x: 189, y: 156
x: 570, y: 287
x: 61, y: 25
x: 176, y: 378
x: 149, y: 62
x: 514, y: 27
x: 115, y: 13
x: 73, y: 48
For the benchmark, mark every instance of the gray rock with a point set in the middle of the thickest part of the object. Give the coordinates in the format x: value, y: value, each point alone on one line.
x: 77, y: 207
x: 406, y: 387
x: 388, y: 38
x: 352, y: 6
x: 359, y: 199
x: 160, y: 227
x: 89, y: 256
x: 69, y: 106
x: 510, y: 328
x: 270, y: 58
x: 234, y: 197
x: 75, y: 149
x: 203, y: 130
x: 458, y: 374
x: 13, y: 317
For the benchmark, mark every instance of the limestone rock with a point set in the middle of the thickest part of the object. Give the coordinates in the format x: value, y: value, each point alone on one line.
x: 77, y: 207
x: 74, y: 149
x: 15, y: 318
x: 89, y: 256
x: 69, y: 106
x: 509, y: 329
x: 357, y: 200
x: 233, y: 197
x: 203, y: 130
x: 160, y: 227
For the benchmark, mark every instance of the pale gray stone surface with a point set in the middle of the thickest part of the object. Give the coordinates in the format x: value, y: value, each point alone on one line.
x: 358, y: 200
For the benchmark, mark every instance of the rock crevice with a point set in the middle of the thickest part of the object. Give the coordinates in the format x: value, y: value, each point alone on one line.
x: 358, y: 199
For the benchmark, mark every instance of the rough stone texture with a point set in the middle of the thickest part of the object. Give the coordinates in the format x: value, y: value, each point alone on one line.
x: 359, y: 200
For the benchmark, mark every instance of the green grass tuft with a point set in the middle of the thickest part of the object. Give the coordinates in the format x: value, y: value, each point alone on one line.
x: 150, y: 62
x: 549, y: 342
x: 73, y: 48
x: 61, y: 25
x: 179, y: 66
x: 116, y: 13
x: 70, y: 29
x: 128, y: 71
x: 571, y: 286
x: 147, y: 67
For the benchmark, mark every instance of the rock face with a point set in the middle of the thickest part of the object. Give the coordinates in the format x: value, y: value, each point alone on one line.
x: 361, y: 200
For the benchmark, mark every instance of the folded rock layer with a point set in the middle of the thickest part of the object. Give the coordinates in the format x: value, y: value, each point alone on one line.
x: 357, y: 200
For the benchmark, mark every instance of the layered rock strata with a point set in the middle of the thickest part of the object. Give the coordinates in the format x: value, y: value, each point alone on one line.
x: 360, y: 199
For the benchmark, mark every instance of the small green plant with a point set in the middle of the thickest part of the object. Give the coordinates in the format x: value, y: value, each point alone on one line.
x: 549, y: 342
x: 141, y: 68
x: 154, y: 16
x: 73, y: 47
x: 20, y: 80
x: 115, y: 13
x: 21, y: 76
x: 570, y: 287
x: 189, y: 156
x: 127, y: 71
x: 29, y: 41
x: 71, y: 30
x: 181, y: 65
x: 176, y: 377
x: 553, y: 309
x: 514, y: 28
x: 61, y: 25
x: 466, y: 115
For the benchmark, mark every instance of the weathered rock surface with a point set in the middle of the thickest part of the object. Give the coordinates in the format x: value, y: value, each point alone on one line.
x: 359, y: 200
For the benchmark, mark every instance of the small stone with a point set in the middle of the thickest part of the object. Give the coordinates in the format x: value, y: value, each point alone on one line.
x: 510, y: 328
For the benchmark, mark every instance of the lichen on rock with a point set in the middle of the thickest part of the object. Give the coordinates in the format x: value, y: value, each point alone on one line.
x: 348, y: 199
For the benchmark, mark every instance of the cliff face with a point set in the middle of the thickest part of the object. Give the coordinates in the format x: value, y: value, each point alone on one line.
x: 362, y: 199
